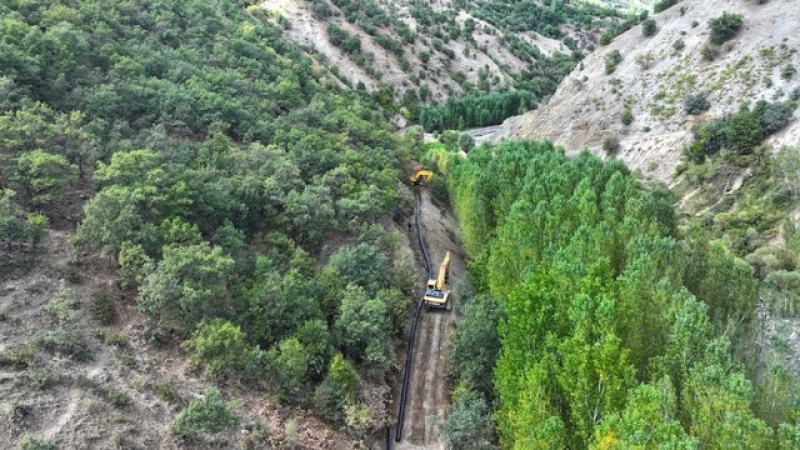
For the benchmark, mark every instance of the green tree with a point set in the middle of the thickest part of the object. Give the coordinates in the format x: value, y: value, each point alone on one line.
x: 466, y: 142
x: 41, y: 177
x: 188, y: 285
x: 725, y: 27
x: 363, y: 328
x: 288, y: 369
x: 649, y: 27
x: 219, y: 346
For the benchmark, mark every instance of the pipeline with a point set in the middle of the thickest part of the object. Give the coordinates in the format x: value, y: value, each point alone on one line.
x: 410, y: 350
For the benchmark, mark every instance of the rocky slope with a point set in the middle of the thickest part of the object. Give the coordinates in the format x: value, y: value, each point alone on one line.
x: 656, y: 75
x: 451, y: 67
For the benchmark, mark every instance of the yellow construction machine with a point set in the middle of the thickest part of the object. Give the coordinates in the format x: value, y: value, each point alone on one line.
x: 436, y: 294
x: 420, y: 177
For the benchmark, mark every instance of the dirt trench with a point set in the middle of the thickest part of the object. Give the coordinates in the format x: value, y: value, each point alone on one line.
x: 428, y: 393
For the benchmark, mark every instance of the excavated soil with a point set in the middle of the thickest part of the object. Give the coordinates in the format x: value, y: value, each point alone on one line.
x: 428, y: 393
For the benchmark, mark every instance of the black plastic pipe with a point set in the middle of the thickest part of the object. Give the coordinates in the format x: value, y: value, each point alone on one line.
x: 410, y: 350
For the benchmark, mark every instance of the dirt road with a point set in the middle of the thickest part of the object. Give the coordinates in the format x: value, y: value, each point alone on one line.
x: 428, y: 395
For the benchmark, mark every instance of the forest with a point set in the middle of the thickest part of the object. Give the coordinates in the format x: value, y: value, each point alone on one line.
x: 219, y: 161
x: 615, y: 327
x: 474, y: 111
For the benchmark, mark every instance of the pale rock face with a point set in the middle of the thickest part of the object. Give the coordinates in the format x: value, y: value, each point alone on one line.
x: 589, y: 104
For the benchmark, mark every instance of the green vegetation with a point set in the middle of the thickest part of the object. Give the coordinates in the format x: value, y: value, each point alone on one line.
x: 627, y: 117
x: 612, y: 59
x: 696, y: 104
x: 29, y: 443
x: 219, y: 161
x: 208, y: 415
x: 619, y: 329
x: 663, y: 5
x: 742, y: 132
x: 476, y: 111
x: 649, y: 27
x: 725, y: 27
x: 16, y: 227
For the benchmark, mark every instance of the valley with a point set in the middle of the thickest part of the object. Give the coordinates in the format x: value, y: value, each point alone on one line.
x: 206, y: 219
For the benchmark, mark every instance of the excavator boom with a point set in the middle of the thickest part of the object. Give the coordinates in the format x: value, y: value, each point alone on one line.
x: 437, y: 295
x: 421, y: 175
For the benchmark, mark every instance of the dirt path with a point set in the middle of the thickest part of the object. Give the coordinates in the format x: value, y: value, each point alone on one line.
x: 428, y: 395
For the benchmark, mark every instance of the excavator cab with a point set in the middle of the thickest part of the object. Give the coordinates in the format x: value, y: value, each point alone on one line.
x: 421, y: 177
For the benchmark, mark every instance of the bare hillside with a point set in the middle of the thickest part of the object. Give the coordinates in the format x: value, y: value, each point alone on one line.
x: 451, y: 57
x: 657, y: 73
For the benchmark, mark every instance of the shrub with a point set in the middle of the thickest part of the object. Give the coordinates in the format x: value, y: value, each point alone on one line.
x: 627, y: 117
x: 678, y: 45
x: 219, y: 346
x: 649, y: 27
x: 330, y: 401
x: 102, y: 307
x: 167, y: 391
x: 469, y: 425
x: 663, y: 5
x: 795, y: 95
x: 20, y: 357
x: 29, y: 443
x: 114, y: 338
x: 610, y: 145
x: 612, y: 59
x: 744, y: 132
x: 606, y: 38
x: 64, y: 306
x: 117, y: 399
x: 725, y: 27
x: 288, y: 369
x: 788, y: 72
x: 708, y: 53
x: 773, y: 116
x: 208, y: 415
x: 695, y: 24
x: 696, y: 104
x: 66, y: 344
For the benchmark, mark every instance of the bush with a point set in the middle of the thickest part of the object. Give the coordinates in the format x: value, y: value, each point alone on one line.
x: 66, y: 344
x: 118, y: 399
x: 167, y: 391
x: 773, y: 116
x: 219, y: 346
x: 102, y: 307
x: 469, y: 425
x: 606, y: 38
x: 20, y: 357
x: 64, y: 306
x: 788, y: 71
x: 476, y: 344
x: 288, y: 369
x: 610, y: 145
x: 696, y: 104
x: 663, y: 5
x: 208, y: 415
x: 678, y: 45
x: 725, y: 27
x: 649, y: 27
x: 329, y: 402
x: 29, y: 443
x: 744, y: 132
x: 708, y: 53
x: 627, y: 117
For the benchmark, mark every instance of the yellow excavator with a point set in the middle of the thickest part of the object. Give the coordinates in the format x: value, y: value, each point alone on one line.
x: 436, y: 294
x: 421, y: 177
